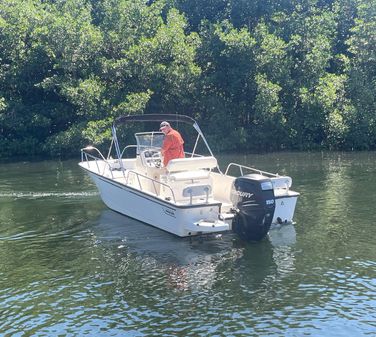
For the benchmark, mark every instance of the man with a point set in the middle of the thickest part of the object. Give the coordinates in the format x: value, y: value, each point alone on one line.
x: 172, y: 147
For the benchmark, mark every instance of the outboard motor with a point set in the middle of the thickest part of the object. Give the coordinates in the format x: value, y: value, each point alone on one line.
x: 253, y: 197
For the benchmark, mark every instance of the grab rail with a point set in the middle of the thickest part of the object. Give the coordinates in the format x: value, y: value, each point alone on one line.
x: 126, y: 173
x: 138, y: 175
x: 241, y: 167
x: 86, y: 155
x: 90, y: 148
x: 127, y: 147
x: 279, y: 182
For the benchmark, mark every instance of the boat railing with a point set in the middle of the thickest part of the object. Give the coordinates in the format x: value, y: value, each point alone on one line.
x: 154, y: 183
x: 87, y: 156
x: 90, y: 158
x: 126, y: 148
x: 280, y: 183
x: 254, y: 170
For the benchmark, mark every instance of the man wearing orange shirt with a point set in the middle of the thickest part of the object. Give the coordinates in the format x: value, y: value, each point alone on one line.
x: 172, y: 147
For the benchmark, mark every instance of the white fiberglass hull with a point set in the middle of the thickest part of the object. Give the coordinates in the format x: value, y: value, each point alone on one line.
x: 179, y: 220
x: 285, y: 207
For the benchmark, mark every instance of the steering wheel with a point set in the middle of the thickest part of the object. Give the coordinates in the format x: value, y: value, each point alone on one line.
x: 156, y: 159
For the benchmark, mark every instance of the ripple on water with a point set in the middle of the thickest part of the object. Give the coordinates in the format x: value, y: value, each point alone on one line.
x: 67, y: 268
x: 37, y: 195
x: 131, y: 294
x: 50, y: 302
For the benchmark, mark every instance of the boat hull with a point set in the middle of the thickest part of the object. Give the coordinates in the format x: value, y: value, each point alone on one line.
x: 179, y: 220
x: 285, y: 208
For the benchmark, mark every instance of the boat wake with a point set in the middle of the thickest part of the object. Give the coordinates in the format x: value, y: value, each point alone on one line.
x: 37, y: 195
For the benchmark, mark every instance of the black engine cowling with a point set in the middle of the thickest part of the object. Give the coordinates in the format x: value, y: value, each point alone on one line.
x: 253, y: 198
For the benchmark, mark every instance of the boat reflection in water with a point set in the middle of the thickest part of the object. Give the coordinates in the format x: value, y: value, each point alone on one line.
x: 191, y: 263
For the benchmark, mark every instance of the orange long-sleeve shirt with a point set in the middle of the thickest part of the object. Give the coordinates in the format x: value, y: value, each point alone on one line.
x: 172, y: 147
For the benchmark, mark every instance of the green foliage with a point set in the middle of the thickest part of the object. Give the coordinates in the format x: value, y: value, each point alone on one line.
x: 99, y: 131
x: 258, y: 75
x: 271, y: 55
x: 362, y: 75
x: 134, y: 103
x: 268, y: 119
x: 268, y: 108
x: 85, y: 95
x: 65, y: 143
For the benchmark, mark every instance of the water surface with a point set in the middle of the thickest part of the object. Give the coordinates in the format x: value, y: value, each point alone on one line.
x: 71, y: 267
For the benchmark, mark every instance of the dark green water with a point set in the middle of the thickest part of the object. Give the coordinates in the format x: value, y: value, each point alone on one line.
x: 71, y: 267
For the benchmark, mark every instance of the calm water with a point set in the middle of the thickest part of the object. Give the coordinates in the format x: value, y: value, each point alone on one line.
x: 71, y: 267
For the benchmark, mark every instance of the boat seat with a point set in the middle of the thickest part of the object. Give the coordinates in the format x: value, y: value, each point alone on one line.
x: 197, y: 190
x: 188, y: 185
x: 188, y: 175
x: 189, y: 164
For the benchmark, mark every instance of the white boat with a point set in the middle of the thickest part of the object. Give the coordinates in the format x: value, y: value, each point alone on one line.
x: 190, y: 196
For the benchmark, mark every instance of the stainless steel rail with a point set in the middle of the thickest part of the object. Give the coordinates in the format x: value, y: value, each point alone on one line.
x: 154, y: 182
x: 241, y: 167
x: 87, y: 157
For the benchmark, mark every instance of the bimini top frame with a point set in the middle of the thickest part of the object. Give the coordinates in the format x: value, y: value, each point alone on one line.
x: 155, y: 118
x: 158, y: 118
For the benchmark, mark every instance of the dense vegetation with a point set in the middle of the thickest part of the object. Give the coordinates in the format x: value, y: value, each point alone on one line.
x: 258, y: 75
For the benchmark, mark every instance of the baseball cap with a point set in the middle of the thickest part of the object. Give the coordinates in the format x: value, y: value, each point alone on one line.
x: 163, y: 124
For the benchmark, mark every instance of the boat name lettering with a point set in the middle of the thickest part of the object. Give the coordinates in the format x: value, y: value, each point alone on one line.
x: 270, y: 202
